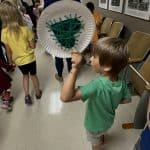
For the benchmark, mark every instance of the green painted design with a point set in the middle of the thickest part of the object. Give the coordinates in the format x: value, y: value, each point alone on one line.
x: 66, y: 32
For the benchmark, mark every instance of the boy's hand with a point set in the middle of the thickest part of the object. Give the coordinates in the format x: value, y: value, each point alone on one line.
x: 76, y: 59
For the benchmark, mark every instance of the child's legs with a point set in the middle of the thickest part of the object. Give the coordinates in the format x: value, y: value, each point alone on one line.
x: 26, y: 69
x: 97, y: 147
x: 96, y: 139
x: 36, y: 84
x: 69, y: 64
x: 59, y: 65
x: 26, y: 84
x: 34, y: 78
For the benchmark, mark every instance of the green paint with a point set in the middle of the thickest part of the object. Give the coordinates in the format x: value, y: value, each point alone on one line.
x: 66, y: 32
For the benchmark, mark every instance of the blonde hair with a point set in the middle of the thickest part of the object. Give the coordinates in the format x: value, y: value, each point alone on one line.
x: 11, y: 17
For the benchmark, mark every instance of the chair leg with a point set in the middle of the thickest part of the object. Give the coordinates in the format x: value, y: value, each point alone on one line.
x: 140, y: 114
x: 141, y: 111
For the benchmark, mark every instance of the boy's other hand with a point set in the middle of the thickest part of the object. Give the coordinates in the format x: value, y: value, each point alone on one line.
x: 76, y: 59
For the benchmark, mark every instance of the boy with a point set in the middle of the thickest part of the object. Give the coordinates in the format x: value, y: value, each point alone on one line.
x: 103, y: 94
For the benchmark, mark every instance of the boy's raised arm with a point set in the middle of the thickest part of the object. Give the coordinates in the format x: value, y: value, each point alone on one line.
x: 68, y: 92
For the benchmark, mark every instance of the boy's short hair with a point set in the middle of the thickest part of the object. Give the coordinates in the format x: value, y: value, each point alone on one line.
x: 112, y: 52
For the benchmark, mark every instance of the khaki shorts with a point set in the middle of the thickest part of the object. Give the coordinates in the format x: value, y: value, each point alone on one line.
x: 94, y: 138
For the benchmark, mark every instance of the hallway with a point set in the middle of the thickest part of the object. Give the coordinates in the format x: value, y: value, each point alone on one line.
x: 50, y: 124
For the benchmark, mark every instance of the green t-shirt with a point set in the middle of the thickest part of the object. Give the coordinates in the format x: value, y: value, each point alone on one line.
x: 103, y: 97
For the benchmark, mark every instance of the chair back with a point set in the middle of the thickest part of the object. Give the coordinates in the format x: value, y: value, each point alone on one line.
x: 115, y: 29
x: 105, y: 27
x: 145, y: 69
x: 138, y: 46
x: 140, y: 78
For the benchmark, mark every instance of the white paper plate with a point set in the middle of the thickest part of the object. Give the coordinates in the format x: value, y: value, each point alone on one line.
x: 59, y: 10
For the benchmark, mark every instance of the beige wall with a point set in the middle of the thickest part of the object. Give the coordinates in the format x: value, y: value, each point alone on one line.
x: 132, y: 24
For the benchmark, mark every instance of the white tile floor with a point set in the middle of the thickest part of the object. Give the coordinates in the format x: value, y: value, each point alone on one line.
x: 52, y: 125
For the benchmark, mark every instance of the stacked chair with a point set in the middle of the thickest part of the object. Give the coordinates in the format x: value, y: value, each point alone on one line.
x: 137, y: 73
x: 105, y: 27
x: 110, y: 28
x: 139, y: 47
x: 141, y: 83
x: 115, y: 29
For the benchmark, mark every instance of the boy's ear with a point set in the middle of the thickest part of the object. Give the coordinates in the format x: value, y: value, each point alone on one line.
x: 107, y: 68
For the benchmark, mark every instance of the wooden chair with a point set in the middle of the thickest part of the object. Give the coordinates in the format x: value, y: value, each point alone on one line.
x: 141, y: 84
x: 115, y: 29
x: 105, y: 27
x: 138, y: 46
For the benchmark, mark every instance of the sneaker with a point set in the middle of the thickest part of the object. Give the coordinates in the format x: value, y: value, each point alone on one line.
x: 28, y: 100
x: 6, y: 96
x: 39, y: 96
x: 6, y: 106
x: 58, y: 78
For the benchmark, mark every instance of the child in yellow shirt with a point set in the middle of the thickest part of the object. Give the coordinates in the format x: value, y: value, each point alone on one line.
x: 19, y: 42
